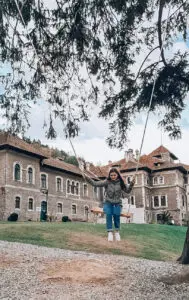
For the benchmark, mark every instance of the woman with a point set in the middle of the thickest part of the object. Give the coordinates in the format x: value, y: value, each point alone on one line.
x: 114, y: 186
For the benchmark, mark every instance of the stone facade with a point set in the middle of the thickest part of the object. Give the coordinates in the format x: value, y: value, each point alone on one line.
x: 60, y: 202
x: 161, y: 185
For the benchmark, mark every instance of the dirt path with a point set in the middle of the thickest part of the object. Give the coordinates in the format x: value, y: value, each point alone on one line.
x: 33, y: 273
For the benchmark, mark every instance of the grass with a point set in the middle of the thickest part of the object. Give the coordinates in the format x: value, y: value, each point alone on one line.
x: 155, y: 242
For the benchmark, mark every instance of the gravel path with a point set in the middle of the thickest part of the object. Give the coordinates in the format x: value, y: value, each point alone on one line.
x: 39, y: 273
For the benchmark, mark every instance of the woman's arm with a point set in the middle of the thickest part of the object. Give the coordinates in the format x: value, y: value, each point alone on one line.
x: 99, y: 183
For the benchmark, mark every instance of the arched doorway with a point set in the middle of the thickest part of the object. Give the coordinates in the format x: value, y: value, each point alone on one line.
x: 43, y: 215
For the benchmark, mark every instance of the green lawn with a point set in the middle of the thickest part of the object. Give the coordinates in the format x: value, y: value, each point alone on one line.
x: 156, y: 242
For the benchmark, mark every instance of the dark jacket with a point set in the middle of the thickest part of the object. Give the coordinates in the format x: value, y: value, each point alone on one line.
x: 113, y: 190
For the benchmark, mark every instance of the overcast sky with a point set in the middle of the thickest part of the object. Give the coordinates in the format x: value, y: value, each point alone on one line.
x: 91, y: 141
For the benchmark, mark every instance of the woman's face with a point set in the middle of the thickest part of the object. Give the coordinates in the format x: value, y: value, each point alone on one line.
x: 113, y: 176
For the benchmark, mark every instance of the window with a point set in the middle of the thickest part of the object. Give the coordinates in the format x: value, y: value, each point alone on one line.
x: 72, y: 187
x: 30, y: 204
x: 17, y: 172
x: 17, y: 202
x: 160, y: 201
x: 155, y: 180
x: 156, y: 201
x: 74, y: 209
x: 30, y: 175
x: 86, y: 210
x: 68, y: 186
x: 163, y: 201
x: 58, y: 184
x: 59, y: 207
x: 85, y: 190
x: 77, y: 188
x: 43, y: 181
x: 158, y: 180
x: 132, y: 199
x: 161, y: 180
x: 183, y: 202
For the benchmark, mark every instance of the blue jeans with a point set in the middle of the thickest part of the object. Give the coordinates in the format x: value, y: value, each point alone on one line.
x: 112, y: 211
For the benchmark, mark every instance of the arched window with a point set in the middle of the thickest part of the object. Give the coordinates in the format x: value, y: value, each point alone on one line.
x: 43, y: 181
x: 17, y: 202
x: 59, y: 207
x: 68, y: 186
x: 58, y: 184
x: 73, y: 187
x: 30, y: 204
x: 155, y: 180
x: 74, y: 209
x: 17, y: 172
x: 85, y: 190
x: 30, y: 175
x: 77, y: 188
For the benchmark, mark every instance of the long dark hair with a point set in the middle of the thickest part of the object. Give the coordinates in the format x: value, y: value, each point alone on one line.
x: 114, y: 170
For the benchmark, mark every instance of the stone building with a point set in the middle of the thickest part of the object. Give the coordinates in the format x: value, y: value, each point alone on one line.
x: 32, y: 181
x: 161, y: 185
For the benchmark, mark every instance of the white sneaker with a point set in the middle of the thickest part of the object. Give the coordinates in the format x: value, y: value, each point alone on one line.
x: 117, y: 237
x: 110, y: 236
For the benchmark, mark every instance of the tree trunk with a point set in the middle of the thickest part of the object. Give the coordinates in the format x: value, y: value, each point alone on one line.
x: 184, y: 258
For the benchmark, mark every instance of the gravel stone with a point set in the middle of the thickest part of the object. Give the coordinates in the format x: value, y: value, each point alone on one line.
x: 21, y: 266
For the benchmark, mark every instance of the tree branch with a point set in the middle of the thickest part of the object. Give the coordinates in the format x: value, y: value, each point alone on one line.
x: 144, y: 62
x: 161, y: 4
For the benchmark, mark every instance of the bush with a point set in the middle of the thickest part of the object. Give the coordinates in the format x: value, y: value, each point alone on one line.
x: 13, y: 217
x: 66, y: 219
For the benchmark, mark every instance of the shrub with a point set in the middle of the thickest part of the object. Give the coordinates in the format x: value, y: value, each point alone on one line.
x: 66, y: 219
x: 13, y: 217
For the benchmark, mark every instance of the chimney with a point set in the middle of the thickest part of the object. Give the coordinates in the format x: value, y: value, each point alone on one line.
x: 88, y: 166
x: 137, y: 154
x: 129, y: 155
x: 81, y: 164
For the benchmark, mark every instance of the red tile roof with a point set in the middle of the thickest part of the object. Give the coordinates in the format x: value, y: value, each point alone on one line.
x: 152, y: 161
x: 16, y: 142
x: 52, y: 162
x: 161, y: 149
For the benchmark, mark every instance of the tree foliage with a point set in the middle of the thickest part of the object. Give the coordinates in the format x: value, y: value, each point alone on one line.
x: 79, y: 53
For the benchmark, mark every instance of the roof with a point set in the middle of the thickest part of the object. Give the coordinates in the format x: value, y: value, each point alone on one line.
x: 59, y: 164
x: 161, y: 149
x: 12, y: 141
x: 152, y: 161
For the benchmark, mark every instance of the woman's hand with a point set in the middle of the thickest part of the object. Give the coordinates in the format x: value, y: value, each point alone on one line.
x: 133, y: 180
